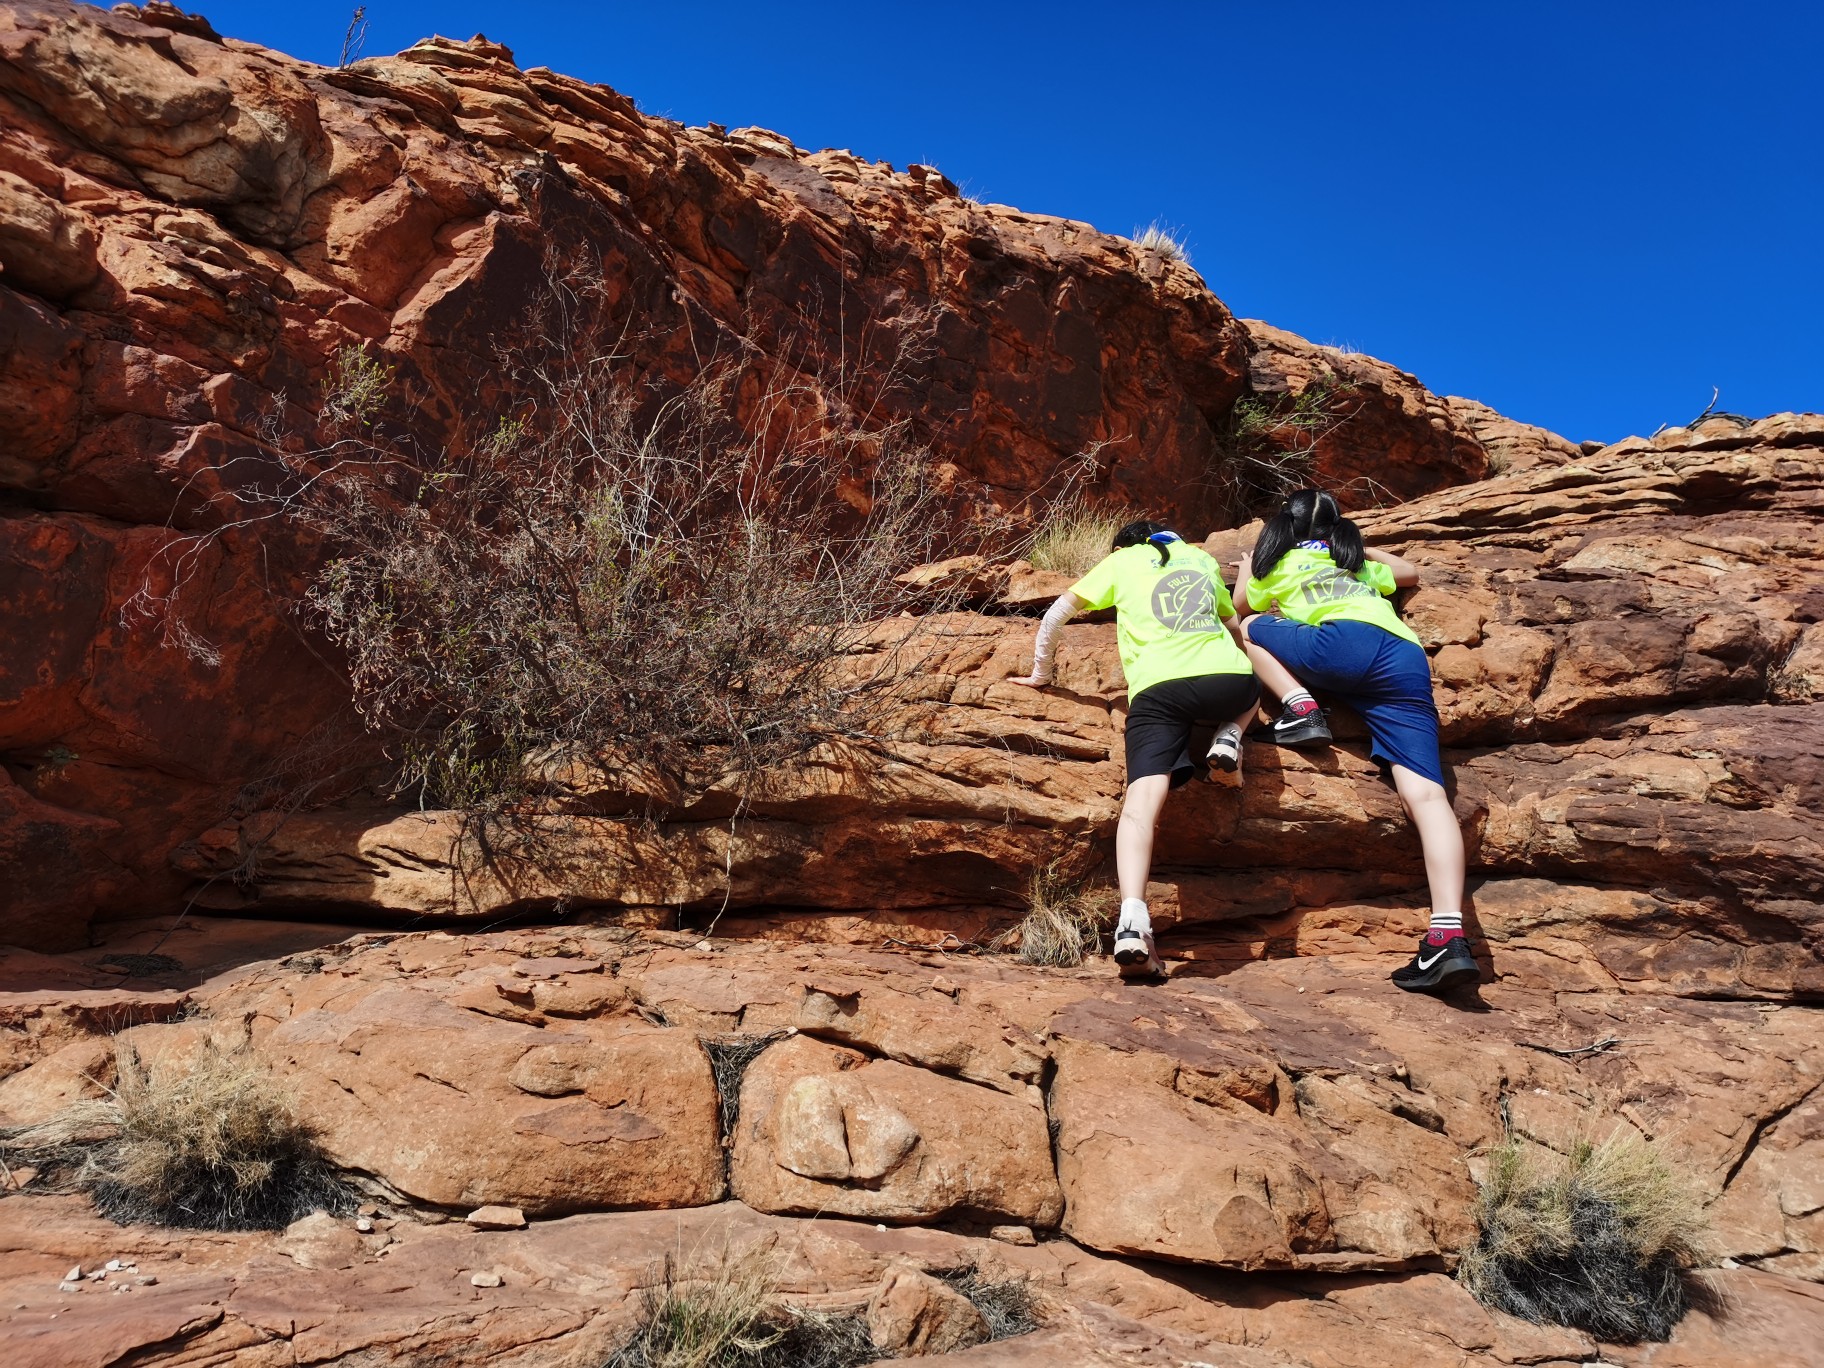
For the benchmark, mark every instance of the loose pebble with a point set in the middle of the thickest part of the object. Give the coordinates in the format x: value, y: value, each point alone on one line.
x: 365, y: 1226
x: 145, y: 1280
x: 497, y: 1218
x: 484, y: 1280
x: 69, y: 1287
x: 74, y: 1275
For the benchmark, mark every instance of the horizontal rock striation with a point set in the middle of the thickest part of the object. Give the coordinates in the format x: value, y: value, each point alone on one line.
x: 1625, y: 660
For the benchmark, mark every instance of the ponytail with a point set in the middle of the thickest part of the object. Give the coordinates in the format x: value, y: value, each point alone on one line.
x: 1309, y: 515
x: 1156, y: 534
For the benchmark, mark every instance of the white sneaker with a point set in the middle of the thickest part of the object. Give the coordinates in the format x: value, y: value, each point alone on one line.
x: 1225, y: 750
x: 1135, y: 955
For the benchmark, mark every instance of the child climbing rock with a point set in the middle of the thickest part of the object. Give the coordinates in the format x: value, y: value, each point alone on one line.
x: 1184, y: 664
x: 1330, y: 624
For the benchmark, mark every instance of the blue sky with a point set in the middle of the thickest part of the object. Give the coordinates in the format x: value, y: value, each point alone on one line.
x: 1586, y: 215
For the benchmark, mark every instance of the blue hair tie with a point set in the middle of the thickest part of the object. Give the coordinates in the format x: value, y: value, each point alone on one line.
x: 1160, y: 538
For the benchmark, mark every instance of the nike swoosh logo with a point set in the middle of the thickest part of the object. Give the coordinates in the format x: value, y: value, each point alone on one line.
x: 1427, y: 963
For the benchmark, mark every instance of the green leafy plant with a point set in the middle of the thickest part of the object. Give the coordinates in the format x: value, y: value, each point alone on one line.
x: 357, y: 387
x: 1270, y: 442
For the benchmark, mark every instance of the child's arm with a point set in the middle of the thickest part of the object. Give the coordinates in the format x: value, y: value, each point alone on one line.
x: 1405, y: 573
x: 1066, y: 606
x: 1244, y: 571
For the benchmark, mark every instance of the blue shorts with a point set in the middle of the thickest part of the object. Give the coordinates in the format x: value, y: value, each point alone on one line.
x: 1385, y: 678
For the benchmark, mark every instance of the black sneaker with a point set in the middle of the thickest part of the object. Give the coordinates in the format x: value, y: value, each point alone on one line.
x: 1308, y: 728
x: 1438, y: 968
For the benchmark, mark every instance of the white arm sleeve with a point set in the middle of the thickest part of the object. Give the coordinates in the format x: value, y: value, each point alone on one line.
x: 1062, y: 610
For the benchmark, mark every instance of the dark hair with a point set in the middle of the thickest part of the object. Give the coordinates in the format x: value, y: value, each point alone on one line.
x: 1138, y: 533
x: 1309, y: 515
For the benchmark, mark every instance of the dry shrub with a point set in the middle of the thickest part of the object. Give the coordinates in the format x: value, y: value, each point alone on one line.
x: 668, y: 593
x: 1007, y: 1304
x: 678, y: 584
x: 724, y: 1311
x: 1600, y: 1239
x: 1064, y: 920
x: 729, y: 1058
x: 210, y: 1144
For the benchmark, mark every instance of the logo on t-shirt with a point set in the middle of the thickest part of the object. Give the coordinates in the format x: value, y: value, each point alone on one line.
x: 1331, y: 585
x: 1184, y: 602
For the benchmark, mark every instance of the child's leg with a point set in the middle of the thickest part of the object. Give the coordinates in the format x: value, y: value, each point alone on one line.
x: 1300, y: 721
x: 1134, y: 833
x: 1442, y: 841
x: 1278, y: 680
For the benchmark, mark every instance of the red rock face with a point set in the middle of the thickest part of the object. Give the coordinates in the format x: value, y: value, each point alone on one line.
x: 190, y: 227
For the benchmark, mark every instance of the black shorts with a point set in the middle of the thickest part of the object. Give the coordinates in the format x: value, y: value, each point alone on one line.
x: 1160, y: 718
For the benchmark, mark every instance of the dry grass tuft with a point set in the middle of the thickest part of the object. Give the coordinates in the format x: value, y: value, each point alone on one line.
x: 716, y: 1313
x: 1599, y: 1239
x: 724, y: 1311
x: 1064, y: 921
x: 211, y: 1146
x: 1074, y: 539
x: 1157, y: 237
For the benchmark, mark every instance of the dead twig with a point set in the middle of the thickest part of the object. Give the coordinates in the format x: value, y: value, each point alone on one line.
x: 1595, y: 1047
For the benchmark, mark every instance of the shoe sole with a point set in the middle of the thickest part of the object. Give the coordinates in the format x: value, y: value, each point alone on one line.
x: 1132, y: 960
x: 1223, y: 761
x: 1441, y: 979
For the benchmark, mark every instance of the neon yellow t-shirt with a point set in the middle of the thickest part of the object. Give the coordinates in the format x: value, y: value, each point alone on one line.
x: 1309, y: 588
x: 1168, y: 617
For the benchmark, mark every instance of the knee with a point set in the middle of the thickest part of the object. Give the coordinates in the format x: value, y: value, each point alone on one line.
x: 1247, y: 623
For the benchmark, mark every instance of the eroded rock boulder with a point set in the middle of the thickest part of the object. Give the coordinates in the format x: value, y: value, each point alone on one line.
x: 826, y: 1129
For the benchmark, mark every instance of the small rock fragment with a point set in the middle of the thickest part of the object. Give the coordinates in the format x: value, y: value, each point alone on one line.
x: 116, y: 1265
x: 365, y: 1225
x: 74, y: 1275
x: 145, y: 1280
x: 484, y: 1280
x: 367, y: 1209
x: 1013, y: 1235
x: 497, y: 1218
x: 913, y: 1313
x: 69, y: 1287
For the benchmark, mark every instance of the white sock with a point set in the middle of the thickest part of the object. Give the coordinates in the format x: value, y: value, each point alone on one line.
x: 1447, y: 923
x: 1134, y: 915
x: 1298, y: 698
